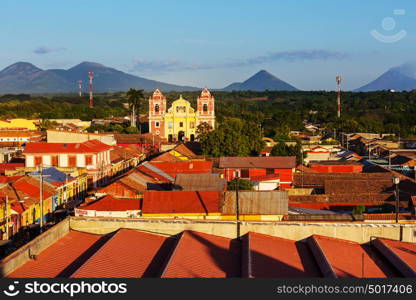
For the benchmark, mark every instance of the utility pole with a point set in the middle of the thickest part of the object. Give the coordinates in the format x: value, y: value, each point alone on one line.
x: 7, y: 217
x: 338, y: 79
x: 237, y: 206
x: 396, y: 182
x: 91, y: 76
x: 41, y: 194
x: 80, y: 87
x: 41, y: 198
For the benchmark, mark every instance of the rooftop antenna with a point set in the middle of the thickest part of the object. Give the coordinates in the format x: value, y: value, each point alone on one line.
x: 91, y: 76
x: 338, y: 79
x: 80, y: 87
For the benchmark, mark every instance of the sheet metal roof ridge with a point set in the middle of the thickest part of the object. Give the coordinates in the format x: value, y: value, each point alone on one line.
x: 173, y: 253
x: 191, y: 235
x: 256, y: 159
x: 322, y: 261
x: 158, y: 171
x: 113, y: 236
x: 386, y: 250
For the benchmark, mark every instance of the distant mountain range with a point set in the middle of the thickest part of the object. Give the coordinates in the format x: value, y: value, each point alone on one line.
x: 24, y: 77
x: 401, y: 78
x: 261, y: 81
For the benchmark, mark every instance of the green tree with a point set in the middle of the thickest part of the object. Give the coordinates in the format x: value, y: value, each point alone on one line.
x: 241, y: 184
x: 135, y: 99
x: 358, y: 210
x: 282, y: 149
x: 233, y: 137
x: 203, y: 129
x: 131, y: 130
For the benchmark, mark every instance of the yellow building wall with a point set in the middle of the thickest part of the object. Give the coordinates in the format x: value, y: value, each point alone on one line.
x: 19, y: 123
x: 174, y: 118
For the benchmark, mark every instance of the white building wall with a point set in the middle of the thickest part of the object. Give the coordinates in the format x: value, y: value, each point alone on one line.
x: 80, y: 160
x: 46, y: 160
x: 30, y: 161
x: 63, y: 160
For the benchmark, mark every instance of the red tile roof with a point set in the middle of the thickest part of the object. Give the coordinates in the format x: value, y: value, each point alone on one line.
x: 265, y: 177
x: 29, y: 187
x: 262, y: 162
x: 11, y: 166
x: 401, y: 254
x: 184, y: 167
x: 200, y: 255
x: 165, y: 157
x: 6, y: 179
x: 109, y: 203
x: 167, y: 171
x: 261, y: 260
x: 61, y: 258
x: 93, y: 146
x: 128, y: 254
x: 341, y: 258
x: 171, y: 202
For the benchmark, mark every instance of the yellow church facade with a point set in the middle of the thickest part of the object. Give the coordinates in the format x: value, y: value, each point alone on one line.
x: 180, y: 121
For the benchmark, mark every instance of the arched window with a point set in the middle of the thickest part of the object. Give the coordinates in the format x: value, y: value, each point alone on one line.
x: 205, y: 107
x: 157, y: 108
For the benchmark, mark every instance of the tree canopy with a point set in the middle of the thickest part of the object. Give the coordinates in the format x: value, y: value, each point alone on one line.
x: 233, y: 137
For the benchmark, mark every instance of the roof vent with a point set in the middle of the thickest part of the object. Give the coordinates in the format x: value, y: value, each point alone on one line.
x: 65, y: 145
x: 76, y: 145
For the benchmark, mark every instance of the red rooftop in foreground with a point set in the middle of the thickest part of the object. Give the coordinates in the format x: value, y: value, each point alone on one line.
x: 62, y: 258
x: 292, y: 258
x: 200, y: 255
x: 128, y: 254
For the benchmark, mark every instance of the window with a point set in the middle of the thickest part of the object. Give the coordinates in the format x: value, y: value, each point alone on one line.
x: 180, y: 109
x: 72, y: 161
x: 180, y: 124
x: 38, y: 160
x: 157, y: 132
x: 157, y: 108
x: 170, y: 125
x: 191, y: 125
x: 54, y: 160
x: 157, y: 124
x: 245, y: 173
x: 88, y: 160
x: 205, y: 107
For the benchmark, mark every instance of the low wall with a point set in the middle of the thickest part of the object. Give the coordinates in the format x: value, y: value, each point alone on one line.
x: 41, y: 242
x: 358, y: 232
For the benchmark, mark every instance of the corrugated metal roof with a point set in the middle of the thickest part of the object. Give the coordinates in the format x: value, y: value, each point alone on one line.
x: 171, y: 202
x: 109, y: 203
x: 341, y: 187
x: 334, y: 258
x: 256, y: 203
x: 261, y: 162
x: 200, y: 182
x: 92, y: 146
x: 128, y: 254
x: 261, y: 260
x: 62, y: 258
x: 131, y: 253
x: 200, y: 255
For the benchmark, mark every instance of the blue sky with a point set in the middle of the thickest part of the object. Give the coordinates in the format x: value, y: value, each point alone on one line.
x: 213, y: 43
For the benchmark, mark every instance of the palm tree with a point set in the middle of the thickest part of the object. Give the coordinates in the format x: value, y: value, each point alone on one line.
x: 135, y: 99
